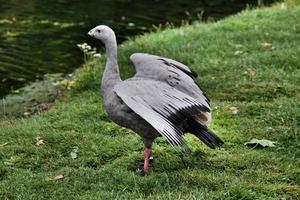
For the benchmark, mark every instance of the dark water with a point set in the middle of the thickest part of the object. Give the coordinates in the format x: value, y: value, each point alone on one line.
x: 40, y: 36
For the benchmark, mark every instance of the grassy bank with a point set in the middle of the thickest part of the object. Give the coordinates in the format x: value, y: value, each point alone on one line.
x: 249, y: 61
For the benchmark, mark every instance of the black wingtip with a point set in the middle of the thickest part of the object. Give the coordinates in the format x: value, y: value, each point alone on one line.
x: 205, y: 135
x: 194, y: 74
x: 213, y: 140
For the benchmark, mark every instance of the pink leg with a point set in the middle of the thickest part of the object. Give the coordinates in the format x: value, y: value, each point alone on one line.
x: 147, y: 155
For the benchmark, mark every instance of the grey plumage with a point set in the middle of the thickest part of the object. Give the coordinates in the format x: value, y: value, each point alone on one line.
x: 160, y: 104
x: 162, y: 99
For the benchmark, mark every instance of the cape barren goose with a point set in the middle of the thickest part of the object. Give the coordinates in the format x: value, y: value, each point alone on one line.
x: 161, y: 99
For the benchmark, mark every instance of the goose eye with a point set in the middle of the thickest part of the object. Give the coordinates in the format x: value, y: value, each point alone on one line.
x: 98, y: 31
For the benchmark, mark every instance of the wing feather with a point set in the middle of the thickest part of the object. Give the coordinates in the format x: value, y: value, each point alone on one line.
x: 161, y: 124
x: 161, y: 105
x: 142, y: 59
x: 169, y: 71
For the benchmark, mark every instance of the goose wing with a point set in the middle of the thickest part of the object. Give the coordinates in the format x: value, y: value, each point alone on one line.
x: 162, y: 106
x: 145, y: 62
x: 170, y: 72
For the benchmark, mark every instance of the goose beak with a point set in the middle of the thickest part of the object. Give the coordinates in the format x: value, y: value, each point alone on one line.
x: 90, y: 33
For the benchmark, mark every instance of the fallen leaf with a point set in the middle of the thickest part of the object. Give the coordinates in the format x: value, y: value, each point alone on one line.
x: 39, y: 141
x: 26, y: 114
x: 236, y: 53
x: 190, y: 174
x: 74, y: 152
x: 233, y: 110
x: 58, y: 177
x: 260, y: 143
x: 8, y: 163
x: 4, y: 144
x: 252, y: 72
x: 11, y: 160
x: 266, y: 45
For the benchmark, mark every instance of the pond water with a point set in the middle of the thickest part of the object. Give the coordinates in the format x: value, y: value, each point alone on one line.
x: 39, y: 37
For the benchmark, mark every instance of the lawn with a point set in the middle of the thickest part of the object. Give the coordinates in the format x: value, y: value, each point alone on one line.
x: 249, y: 62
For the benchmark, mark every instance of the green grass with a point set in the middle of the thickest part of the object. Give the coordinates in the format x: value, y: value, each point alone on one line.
x: 235, y: 69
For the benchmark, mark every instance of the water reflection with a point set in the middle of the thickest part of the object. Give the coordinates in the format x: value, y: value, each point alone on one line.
x: 39, y: 37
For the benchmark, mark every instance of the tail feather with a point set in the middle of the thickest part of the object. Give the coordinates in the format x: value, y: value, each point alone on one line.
x: 204, y: 134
